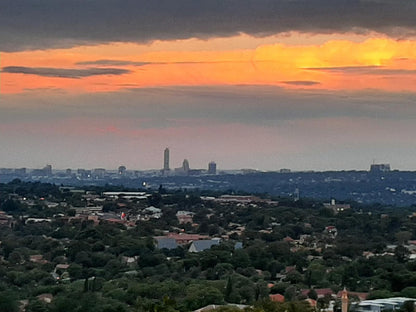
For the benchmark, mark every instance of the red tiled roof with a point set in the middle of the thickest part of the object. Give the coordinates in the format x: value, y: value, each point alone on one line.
x: 321, y: 292
x: 277, y: 298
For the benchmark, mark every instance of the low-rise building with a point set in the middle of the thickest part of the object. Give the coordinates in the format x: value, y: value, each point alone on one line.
x: 202, y: 245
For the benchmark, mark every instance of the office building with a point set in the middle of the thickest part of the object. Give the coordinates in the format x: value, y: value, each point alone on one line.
x: 166, y: 159
x: 185, y: 166
x: 380, y: 168
x: 212, y: 168
x: 122, y: 170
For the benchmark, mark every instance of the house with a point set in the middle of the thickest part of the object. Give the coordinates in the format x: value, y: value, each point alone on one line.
x: 130, y: 260
x: 61, y: 267
x: 337, y: 207
x: 37, y: 259
x: 166, y: 242
x: 202, y: 245
x: 238, y: 245
x: 277, y: 298
x: 5, y: 219
x: 288, y: 239
x: 183, y: 238
x: 331, y: 231
x: 154, y: 212
x: 216, y: 306
x: 184, y: 217
x: 321, y: 292
x: 47, y: 298
x: 311, y: 302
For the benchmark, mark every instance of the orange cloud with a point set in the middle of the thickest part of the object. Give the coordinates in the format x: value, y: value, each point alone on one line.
x: 288, y: 66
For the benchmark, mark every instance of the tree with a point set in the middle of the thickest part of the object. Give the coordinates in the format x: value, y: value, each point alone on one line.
x: 36, y: 306
x: 199, y: 296
x: 403, y: 236
x: 8, y: 302
x: 290, y: 293
x: 409, y: 292
x: 9, y: 205
x: 408, y: 306
x: 312, y: 294
x: 401, y: 253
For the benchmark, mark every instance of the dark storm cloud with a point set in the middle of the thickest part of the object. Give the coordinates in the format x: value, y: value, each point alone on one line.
x: 366, y: 70
x: 301, y: 83
x: 42, y: 24
x: 63, y: 72
x: 113, y: 63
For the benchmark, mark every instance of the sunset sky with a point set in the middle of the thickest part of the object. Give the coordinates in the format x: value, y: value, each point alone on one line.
x: 299, y: 84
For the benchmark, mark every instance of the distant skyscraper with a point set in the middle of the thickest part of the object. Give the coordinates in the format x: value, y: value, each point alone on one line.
x: 99, y: 173
x: 122, y: 170
x: 166, y: 159
x: 379, y: 168
x: 185, y: 166
x: 212, y: 168
x: 48, y: 170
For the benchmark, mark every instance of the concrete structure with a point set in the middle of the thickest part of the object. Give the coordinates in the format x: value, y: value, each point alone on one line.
x: 126, y: 195
x: 98, y: 173
x: 212, y: 168
x: 122, y: 171
x: 185, y: 166
x: 336, y: 207
x: 183, y: 238
x: 201, y: 245
x: 48, y: 170
x: 379, y: 168
x: 166, y: 242
x: 378, y: 305
x: 166, y: 160
x: 184, y: 170
x: 344, y: 301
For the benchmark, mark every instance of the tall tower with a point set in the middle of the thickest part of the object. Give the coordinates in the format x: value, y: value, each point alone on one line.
x: 344, y: 300
x: 166, y: 159
x: 212, y: 168
x: 48, y: 170
x: 185, y: 166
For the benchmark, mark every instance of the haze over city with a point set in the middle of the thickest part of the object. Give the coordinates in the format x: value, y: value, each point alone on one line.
x: 306, y: 85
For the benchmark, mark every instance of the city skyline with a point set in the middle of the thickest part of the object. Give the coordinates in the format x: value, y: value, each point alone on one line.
x: 322, y: 85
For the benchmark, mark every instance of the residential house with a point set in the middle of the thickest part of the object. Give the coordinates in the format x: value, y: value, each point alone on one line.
x: 201, y: 245
x: 165, y: 242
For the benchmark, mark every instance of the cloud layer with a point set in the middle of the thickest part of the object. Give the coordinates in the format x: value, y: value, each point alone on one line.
x: 63, y: 72
x: 25, y: 24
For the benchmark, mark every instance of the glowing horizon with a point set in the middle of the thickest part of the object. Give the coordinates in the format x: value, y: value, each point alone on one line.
x: 384, y: 64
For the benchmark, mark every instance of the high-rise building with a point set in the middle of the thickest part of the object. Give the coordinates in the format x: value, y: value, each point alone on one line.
x: 379, y: 168
x: 212, y: 168
x: 166, y: 159
x: 99, y: 173
x: 185, y: 166
x: 47, y: 170
x: 122, y: 170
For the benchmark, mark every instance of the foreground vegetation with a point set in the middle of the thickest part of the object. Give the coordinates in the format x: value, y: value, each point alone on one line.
x: 82, y: 265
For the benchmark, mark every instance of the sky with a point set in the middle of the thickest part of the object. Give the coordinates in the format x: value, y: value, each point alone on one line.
x: 261, y: 84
